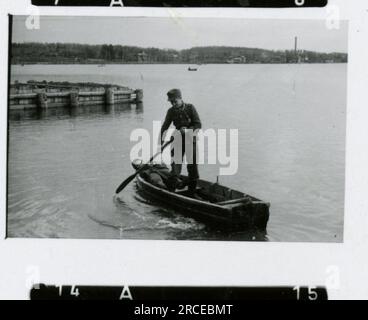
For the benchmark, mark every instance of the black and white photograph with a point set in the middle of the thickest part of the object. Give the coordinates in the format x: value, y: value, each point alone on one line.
x: 154, y: 128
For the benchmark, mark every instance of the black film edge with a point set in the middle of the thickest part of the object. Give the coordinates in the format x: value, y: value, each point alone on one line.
x: 177, y: 294
x: 186, y: 3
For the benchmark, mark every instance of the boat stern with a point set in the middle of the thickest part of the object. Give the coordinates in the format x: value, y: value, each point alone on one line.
x: 251, y: 215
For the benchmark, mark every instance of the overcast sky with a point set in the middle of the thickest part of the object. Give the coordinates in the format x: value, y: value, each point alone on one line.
x: 186, y: 33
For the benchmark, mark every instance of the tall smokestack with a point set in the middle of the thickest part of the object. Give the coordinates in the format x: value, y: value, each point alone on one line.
x: 296, y: 45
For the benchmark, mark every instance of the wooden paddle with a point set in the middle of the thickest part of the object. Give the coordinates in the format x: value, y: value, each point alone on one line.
x: 144, y: 167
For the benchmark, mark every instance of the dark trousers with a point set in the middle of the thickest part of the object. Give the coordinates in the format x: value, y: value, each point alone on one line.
x: 190, y: 151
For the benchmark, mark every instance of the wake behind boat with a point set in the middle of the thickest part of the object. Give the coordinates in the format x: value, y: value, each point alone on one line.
x: 214, y: 205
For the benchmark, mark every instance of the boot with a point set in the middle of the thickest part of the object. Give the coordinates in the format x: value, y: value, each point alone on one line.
x: 171, y: 183
x: 192, y: 187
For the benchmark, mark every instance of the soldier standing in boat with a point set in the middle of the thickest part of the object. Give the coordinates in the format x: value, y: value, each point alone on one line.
x: 186, y: 120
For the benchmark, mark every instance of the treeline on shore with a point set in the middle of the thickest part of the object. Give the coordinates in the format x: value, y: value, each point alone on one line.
x: 55, y: 53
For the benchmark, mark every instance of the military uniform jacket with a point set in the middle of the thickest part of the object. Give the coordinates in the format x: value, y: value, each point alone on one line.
x: 185, y: 116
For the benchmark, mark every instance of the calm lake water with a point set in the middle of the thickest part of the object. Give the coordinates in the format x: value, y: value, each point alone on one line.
x: 64, y: 165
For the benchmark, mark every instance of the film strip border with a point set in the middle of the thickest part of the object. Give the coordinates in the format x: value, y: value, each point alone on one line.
x: 175, y: 294
x: 186, y: 3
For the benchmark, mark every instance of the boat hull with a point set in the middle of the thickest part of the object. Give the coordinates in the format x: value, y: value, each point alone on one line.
x: 250, y: 215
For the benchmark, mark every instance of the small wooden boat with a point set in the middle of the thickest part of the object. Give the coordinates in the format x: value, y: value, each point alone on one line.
x: 192, y: 69
x: 216, y: 205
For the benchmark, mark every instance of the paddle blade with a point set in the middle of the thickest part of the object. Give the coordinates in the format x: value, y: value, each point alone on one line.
x: 125, y: 183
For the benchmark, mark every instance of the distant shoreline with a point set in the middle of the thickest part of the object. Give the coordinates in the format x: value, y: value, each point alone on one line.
x: 59, y: 53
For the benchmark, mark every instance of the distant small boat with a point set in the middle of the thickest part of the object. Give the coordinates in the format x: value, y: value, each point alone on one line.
x: 192, y: 69
x: 101, y: 65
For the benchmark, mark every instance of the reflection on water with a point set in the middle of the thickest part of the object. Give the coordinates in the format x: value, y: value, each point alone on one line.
x: 39, y: 114
x: 65, y: 164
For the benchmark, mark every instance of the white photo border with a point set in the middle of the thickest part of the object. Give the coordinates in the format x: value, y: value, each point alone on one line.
x: 341, y: 267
